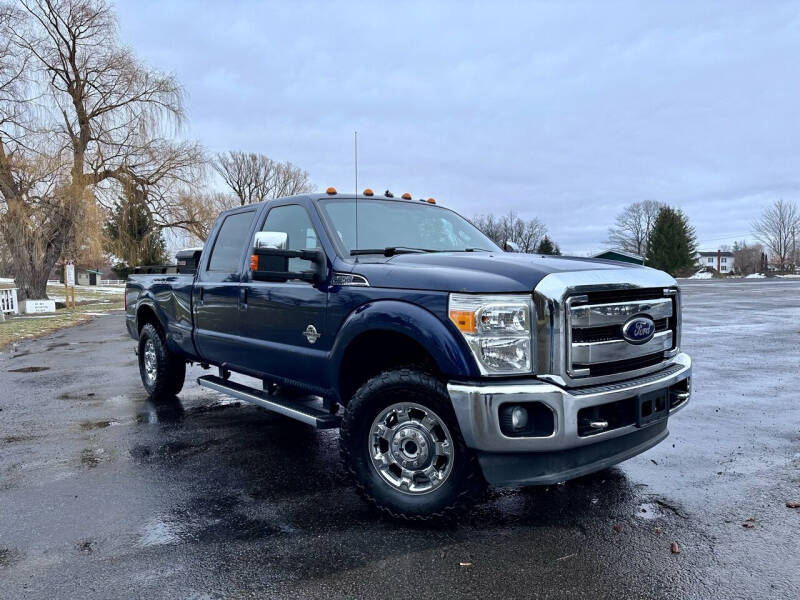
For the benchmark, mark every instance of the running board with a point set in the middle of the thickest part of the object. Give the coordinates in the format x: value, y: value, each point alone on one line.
x: 299, y: 411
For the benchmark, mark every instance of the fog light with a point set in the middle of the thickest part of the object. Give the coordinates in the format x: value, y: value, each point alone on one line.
x: 519, y: 418
x: 531, y: 419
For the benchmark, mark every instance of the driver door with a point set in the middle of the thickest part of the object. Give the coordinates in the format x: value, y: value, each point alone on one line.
x: 278, y: 319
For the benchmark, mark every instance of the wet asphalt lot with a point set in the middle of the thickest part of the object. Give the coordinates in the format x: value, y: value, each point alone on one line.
x: 105, y: 496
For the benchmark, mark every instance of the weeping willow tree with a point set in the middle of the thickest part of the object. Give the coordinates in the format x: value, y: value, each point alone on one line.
x: 80, y: 116
x: 131, y: 233
x: 38, y: 218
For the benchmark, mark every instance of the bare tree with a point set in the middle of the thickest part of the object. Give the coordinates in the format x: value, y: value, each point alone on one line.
x: 35, y: 216
x: 255, y: 177
x: 777, y: 229
x: 96, y: 106
x: 490, y: 227
x: 747, y: 257
x: 196, y: 211
x: 632, y: 227
x: 511, y: 228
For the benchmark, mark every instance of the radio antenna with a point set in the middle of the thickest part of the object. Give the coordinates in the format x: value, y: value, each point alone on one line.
x: 355, y: 165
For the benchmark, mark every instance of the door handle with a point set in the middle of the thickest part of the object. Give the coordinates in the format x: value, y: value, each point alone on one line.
x: 243, y: 298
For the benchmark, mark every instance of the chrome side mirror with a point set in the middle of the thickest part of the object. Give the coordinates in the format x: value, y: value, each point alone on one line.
x: 512, y: 247
x: 277, y: 240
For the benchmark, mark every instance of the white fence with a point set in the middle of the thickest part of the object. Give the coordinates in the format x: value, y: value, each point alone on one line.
x: 101, y: 282
x: 8, y: 301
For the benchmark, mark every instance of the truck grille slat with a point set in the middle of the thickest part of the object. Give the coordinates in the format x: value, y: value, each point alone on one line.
x: 607, y: 333
x: 621, y: 366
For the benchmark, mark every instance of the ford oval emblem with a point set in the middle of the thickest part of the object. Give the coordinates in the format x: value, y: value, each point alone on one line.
x: 639, y: 330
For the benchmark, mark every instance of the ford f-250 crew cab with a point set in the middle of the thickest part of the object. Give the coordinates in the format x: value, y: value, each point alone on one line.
x: 446, y: 362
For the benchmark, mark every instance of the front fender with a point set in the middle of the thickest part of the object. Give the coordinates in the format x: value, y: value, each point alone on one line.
x: 448, y: 349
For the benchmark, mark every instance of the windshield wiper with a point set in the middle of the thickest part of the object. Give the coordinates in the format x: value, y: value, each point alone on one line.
x: 390, y: 251
x: 473, y: 250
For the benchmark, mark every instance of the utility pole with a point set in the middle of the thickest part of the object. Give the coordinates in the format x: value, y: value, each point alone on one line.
x: 794, y: 250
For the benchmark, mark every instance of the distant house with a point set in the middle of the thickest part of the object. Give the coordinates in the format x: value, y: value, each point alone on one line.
x: 83, y: 276
x: 88, y: 276
x: 621, y: 256
x: 719, y: 261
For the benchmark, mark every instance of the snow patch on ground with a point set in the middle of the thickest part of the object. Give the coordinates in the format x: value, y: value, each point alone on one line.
x: 755, y: 276
x: 702, y: 275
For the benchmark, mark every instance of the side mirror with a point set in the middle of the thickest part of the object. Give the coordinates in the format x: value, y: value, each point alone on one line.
x: 278, y: 240
x: 269, y: 260
x: 511, y: 247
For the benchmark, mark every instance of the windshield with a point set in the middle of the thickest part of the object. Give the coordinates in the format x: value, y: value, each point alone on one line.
x: 388, y: 223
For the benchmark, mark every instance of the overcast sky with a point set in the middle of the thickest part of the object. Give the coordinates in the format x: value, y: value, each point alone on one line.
x: 563, y: 111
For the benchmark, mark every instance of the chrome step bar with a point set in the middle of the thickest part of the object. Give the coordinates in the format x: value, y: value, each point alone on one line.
x: 300, y: 411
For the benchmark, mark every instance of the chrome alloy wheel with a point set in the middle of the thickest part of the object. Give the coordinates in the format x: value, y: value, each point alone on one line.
x: 150, y: 362
x: 411, y: 448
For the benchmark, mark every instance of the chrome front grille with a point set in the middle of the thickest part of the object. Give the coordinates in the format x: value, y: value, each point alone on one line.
x: 579, y: 319
x: 595, y: 344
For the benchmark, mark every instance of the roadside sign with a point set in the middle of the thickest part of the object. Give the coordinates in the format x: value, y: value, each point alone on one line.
x: 69, y: 274
x: 38, y: 306
x: 69, y: 283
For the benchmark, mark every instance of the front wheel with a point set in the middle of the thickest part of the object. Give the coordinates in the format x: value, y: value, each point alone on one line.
x: 162, y: 371
x: 401, y: 443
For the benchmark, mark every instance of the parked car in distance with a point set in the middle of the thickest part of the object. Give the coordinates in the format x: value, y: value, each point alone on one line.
x: 446, y: 362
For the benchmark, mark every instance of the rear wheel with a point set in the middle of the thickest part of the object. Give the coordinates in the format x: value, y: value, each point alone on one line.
x: 401, y: 443
x: 162, y: 371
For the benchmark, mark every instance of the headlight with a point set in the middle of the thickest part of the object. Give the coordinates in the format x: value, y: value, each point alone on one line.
x: 497, y: 329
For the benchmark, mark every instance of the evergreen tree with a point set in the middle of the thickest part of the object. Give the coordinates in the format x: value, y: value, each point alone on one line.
x: 546, y: 246
x: 131, y: 234
x: 672, y: 246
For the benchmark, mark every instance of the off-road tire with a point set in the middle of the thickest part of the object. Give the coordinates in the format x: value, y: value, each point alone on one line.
x: 463, y: 487
x: 170, y: 369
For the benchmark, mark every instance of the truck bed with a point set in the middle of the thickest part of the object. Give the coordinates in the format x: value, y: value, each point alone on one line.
x: 170, y: 295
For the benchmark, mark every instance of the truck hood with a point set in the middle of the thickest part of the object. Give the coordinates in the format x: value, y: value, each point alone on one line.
x: 476, y: 271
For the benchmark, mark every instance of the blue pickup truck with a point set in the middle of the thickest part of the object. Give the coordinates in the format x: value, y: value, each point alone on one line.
x: 446, y: 361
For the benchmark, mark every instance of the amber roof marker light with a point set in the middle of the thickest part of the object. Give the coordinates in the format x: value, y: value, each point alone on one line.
x: 431, y: 201
x: 406, y: 196
x: 368, y: 192
x: 331, y: 191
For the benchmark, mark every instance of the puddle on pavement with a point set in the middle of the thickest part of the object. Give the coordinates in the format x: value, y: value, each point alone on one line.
x: 74, y: 396
x: 211, y: 520
x: 648, y: 511
x: 91, y: 457
x: 169, y: 412
x: 159, y: 532
x: 28, y: 369
x: 85, y: 546
x: 14, y: 439
x: 58, y: 345
x: 89, y: 425
x: 8, y: 557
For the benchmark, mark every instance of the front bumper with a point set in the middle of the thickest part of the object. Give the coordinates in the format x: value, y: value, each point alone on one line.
x: 564, y: 454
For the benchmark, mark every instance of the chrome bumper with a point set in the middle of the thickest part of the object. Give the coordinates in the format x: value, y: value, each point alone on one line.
x: 477, y: 409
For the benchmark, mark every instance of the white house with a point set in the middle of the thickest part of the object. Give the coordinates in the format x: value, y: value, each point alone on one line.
x: 722, y: 262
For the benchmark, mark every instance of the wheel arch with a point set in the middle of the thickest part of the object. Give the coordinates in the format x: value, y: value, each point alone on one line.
x: 146, y: 312
x: 389, y: 333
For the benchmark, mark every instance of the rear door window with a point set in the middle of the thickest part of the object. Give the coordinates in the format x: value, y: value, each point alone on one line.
x: 228, y: 248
